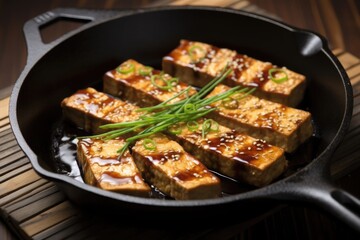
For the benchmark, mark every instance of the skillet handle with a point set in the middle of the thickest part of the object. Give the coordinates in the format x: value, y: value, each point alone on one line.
x: 37, y: 48
x: 340, y: 203
x: 316, y: 189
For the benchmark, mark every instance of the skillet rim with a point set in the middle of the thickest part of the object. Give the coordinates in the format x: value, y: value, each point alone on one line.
x: 322, y: 160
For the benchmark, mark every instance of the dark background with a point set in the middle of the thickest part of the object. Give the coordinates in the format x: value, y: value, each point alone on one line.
x: 337, y: 20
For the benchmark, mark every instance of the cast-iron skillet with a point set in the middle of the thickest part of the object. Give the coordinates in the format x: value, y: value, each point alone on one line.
x: 80, y: 58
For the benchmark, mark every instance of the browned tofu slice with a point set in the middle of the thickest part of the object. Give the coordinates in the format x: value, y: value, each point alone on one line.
x: 141, y: 82
x: 89, y: 109
x: 278, y: 124
x: 235, y: 155
x: 196, y: 63
x: 102, y: 167
x: 90, y: 105
x: 266, y: 163
x: 174, y: 171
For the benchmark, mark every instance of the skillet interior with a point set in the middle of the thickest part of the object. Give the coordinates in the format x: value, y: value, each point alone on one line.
x: 81, y: 61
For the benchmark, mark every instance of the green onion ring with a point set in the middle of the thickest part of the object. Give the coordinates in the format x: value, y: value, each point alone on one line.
x: 189, y: 108
x: 277, y: 80
x: 192, y: 53
x: 126, y: 68
x: 192, y: 126
x: 153, y: 81
x: 173, y: 80
x: 149, y: 144
x: 214, y: 127
x: 205, y: 128
x: 145, y: 71
x: 209, y: 125
x: 170, y: 115
x: 175, y: 129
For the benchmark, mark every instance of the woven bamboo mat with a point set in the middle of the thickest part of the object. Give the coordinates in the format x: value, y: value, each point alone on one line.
x: 36, y: 209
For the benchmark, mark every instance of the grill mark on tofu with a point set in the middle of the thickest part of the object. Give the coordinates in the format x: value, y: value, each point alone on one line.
x: 258, y: 171
x: 247, y: 71
x: 102, y: 168
x: 278, y: 124
x: 174, y: 171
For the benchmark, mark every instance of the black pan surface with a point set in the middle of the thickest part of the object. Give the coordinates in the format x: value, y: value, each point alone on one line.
x: 80, y: 58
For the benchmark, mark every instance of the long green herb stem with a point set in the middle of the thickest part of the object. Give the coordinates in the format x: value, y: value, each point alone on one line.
x: 164, y: 115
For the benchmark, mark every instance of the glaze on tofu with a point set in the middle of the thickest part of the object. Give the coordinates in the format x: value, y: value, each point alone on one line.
x: 136, y: 86
x: 189, y: 179
x: 174, y: 171
x: 232, y: 154
x: 245, y: 138
x: 88, y: 109
x: 197, y: 63
x: 278, y: 124
x: 258, y: 172
x: 102, y: 167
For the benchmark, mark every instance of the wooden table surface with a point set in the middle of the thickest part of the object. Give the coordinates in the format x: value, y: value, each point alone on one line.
x: 338, y: 21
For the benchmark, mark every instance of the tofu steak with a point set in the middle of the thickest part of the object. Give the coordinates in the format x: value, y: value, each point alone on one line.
x: 276, y: 123
x: 197, y: 63
x: 267, y: 163
x: 88, y: 109
x: 174, y: 171
x: 136, y: 86
x: 102, y: 167
x: 232, y: 154
x: 185, y: 176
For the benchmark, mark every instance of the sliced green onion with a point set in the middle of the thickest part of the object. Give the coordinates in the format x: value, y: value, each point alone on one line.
x: 272, y: 73
x: 192, y: 126
x: 193, y: 52
x: 205, y: 128
x: 214, y: 126
x: 126, y: 68
x: 209, y: 125
x: 230, y: 103
x: 161, y: 78
x: 171, y: 117
x: 149, y: 144
x: 172, y: 81
x: 145, y: 71
x: 175, y: 129
x: 189, y: 108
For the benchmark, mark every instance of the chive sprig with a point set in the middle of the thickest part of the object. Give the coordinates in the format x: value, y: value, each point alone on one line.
x: 166, y: 115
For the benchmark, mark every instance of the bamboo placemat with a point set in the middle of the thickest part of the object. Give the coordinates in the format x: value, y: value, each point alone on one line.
x: 36, y: 209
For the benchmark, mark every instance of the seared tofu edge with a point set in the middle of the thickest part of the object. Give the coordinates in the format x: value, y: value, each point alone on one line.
x: 102, y: 167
